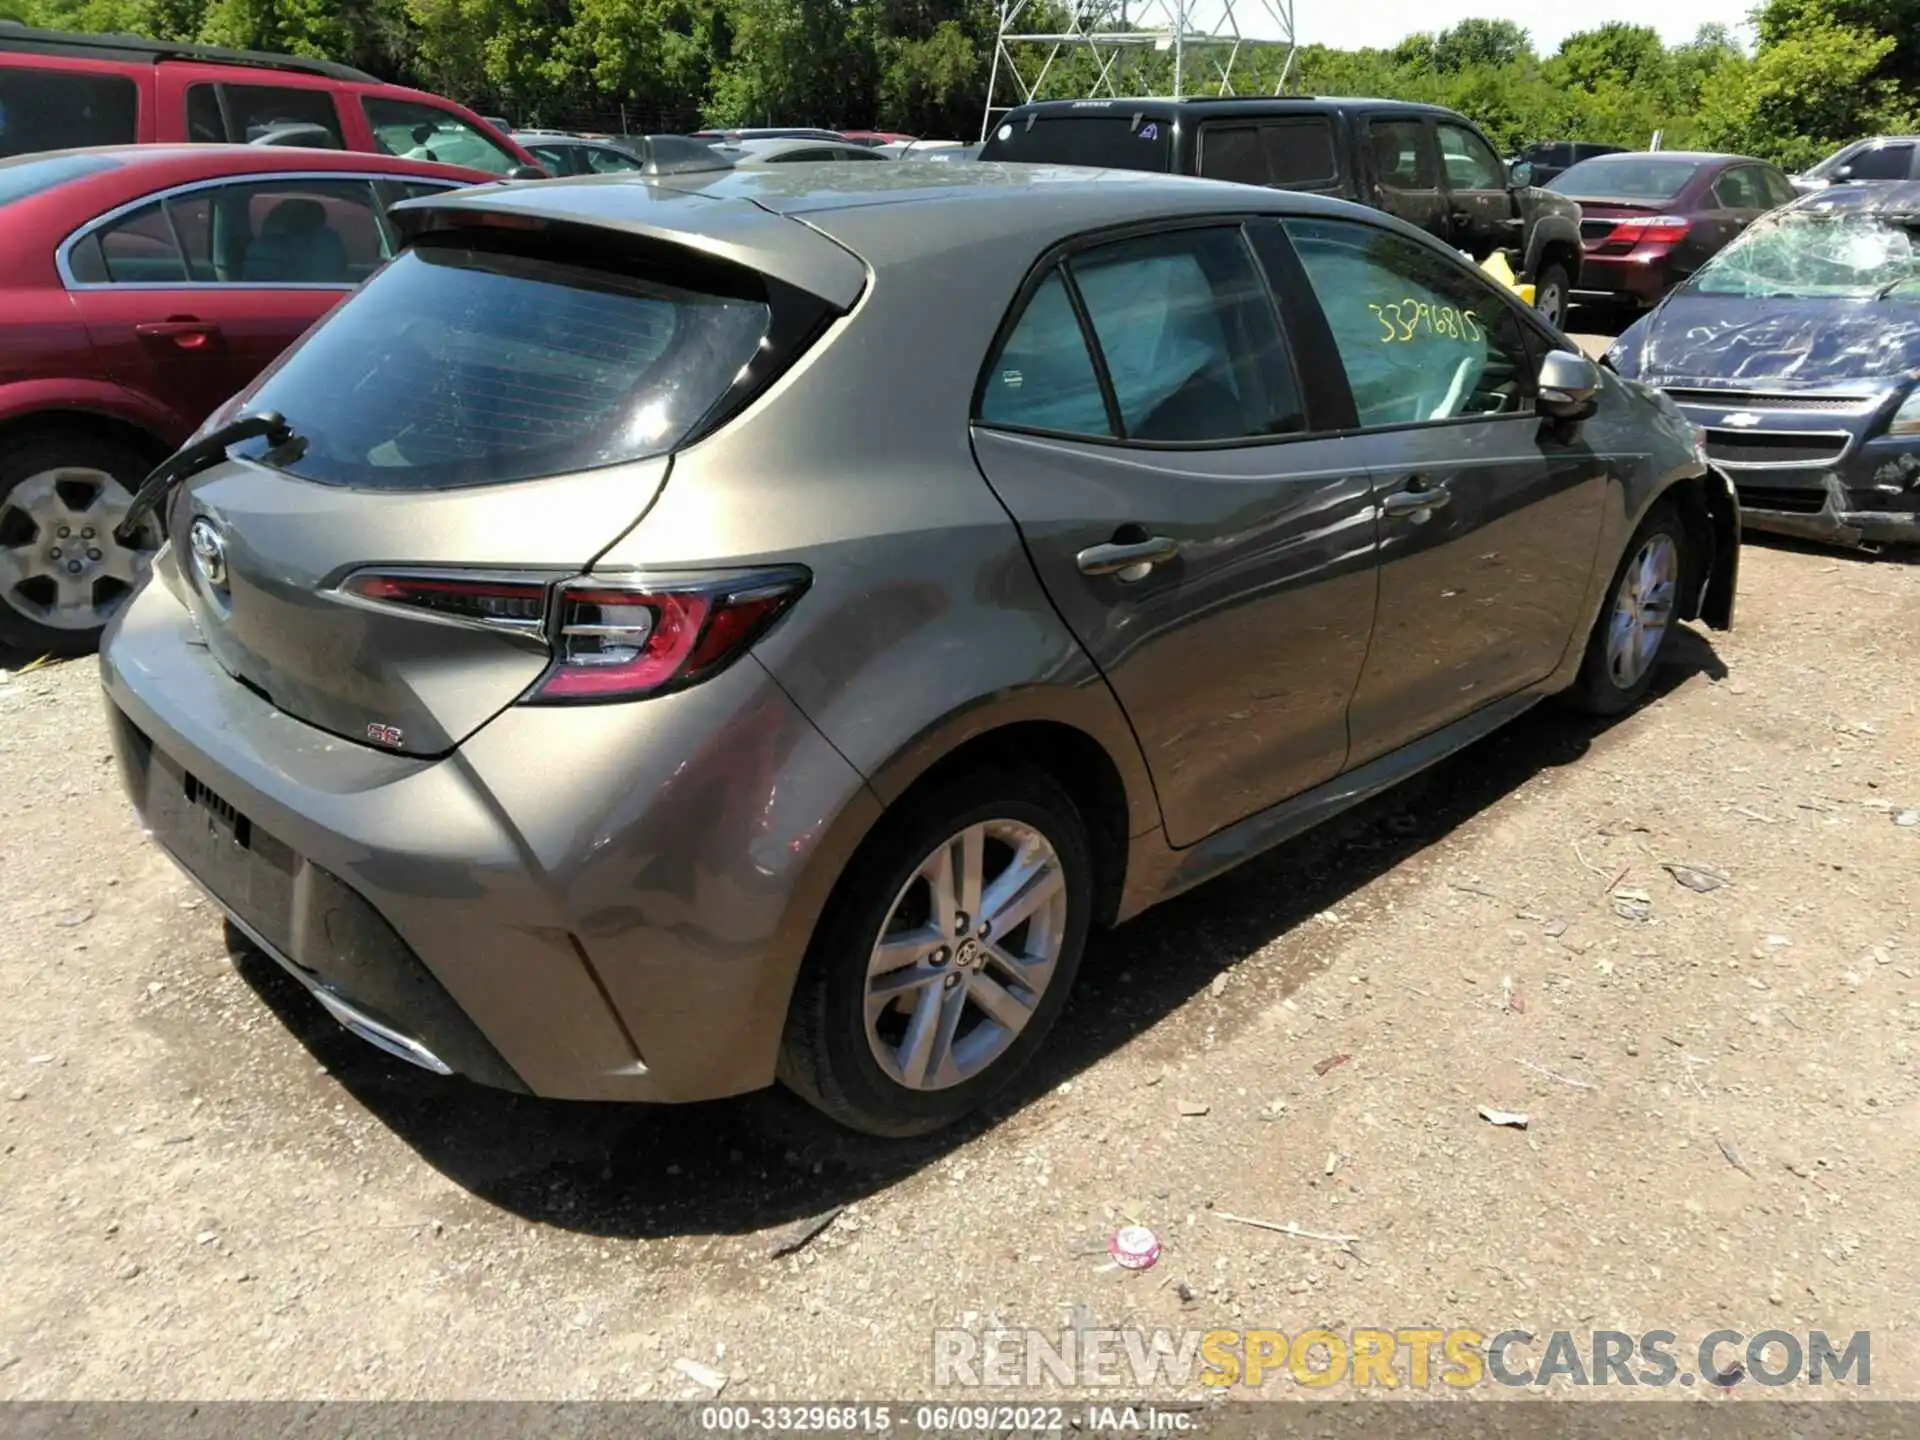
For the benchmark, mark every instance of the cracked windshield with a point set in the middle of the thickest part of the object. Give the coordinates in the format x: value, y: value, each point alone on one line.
x: 1866, y: 256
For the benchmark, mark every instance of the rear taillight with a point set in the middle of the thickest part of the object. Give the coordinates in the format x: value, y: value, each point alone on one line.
x: 620, y: 641
x: 611, y: 637
x: 1650, y: 230
x: 508, y: 604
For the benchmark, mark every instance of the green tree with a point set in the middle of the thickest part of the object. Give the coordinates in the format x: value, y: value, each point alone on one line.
x: 1479, y: 42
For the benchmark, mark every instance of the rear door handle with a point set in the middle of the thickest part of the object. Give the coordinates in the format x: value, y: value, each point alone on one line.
x: 1130, y: 561
x: 183, y: 330
x: 1418, y: 500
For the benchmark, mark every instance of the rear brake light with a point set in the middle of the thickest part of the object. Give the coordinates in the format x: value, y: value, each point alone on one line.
x: 611, y: 639
x: 509, y: 604
x: 619, y: 642
x: 1652, y: 230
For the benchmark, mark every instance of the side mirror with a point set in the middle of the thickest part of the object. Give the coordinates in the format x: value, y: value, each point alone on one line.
x: 1520, y: 174
x: 527, y: 172
x: 1845, y: 172
x: 1568, y: 384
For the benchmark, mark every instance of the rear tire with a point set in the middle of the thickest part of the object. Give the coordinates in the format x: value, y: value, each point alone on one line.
x: 1637, y: 618
x: 906, y: 1017
x: 57, y: 592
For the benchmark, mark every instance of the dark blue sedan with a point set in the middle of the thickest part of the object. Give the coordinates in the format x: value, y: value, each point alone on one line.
x: 1797, y: 351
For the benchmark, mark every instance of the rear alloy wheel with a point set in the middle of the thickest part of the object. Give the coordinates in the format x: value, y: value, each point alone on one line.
x: 1550, y: 289
x: 1632, y: 630
x: 62, y: 574
x: 945, y: 958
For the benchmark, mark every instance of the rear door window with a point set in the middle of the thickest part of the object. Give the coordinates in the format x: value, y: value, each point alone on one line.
x: 140, y: 248
x: 1110, y: 139
x: 1043, y: 378
x: 1402, y: 156
x: 263, y: 115
x: 1282, y: 153
x: 426, y: 132
x: 65, y: 109
x: 1740, y: 189
x: 1188, y: 332
x: 604, y: 160
x: 458, y: 367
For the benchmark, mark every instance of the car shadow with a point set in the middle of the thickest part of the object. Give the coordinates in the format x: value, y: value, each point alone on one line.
x: 767, y: 1160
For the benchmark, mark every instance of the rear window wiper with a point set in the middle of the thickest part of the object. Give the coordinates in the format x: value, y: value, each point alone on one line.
x: 210, y: 449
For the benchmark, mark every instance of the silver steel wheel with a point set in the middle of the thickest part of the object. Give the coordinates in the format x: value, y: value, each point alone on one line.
x: 1642, y: 610
x: 1551, y: 301
x: 59, y: 563
x: 965, y: 955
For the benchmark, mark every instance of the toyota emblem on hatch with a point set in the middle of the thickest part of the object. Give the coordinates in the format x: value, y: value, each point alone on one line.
x: 209, y: 548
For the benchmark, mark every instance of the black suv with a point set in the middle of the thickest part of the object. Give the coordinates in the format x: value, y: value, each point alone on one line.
x: 1426, y: 164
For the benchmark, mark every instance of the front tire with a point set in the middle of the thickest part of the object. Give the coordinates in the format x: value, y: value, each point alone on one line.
x: 945, y: 955
x: 1634, y: 625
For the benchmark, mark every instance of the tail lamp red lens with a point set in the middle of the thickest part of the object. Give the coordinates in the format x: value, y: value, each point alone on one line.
x: 1650, y: 230
x: 609, y: 640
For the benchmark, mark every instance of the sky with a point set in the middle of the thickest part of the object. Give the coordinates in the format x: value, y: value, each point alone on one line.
x: 1351, y: 24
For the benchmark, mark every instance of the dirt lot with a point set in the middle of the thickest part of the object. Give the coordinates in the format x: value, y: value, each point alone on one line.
x: 209, y: 1190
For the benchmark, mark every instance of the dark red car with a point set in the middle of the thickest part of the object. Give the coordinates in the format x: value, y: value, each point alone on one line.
x: 140, y: 286
x: 1649, y: 219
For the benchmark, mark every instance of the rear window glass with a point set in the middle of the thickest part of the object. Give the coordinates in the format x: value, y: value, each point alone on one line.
x: 64, y: 110
x: 1626, y: 177
x: 1274, y: 152
x: 263, y: 115
x: 21, y: 178
x: 1109, y: 139
x: 458, y: 367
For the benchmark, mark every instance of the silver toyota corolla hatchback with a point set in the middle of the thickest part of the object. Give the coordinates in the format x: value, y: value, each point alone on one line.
x: 661, y: 636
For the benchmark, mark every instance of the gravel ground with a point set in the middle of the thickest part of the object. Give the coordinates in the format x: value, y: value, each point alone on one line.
x: 209, y: 1190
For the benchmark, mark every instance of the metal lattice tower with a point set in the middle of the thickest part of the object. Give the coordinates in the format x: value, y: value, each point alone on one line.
x: 1117, y: 36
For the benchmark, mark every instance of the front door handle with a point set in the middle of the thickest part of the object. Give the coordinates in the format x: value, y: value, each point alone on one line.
x: 1127, y: 561
x: 1419, y: 500
x: 183, y: 330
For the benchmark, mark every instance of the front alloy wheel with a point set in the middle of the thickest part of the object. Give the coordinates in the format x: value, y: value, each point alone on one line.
x: 1642, y: 609
x: 1637, y: 618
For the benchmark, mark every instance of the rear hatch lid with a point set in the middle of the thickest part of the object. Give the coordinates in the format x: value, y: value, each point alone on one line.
x: 476, y: 424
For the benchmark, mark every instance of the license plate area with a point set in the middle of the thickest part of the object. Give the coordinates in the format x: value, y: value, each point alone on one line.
x: 248, y: 870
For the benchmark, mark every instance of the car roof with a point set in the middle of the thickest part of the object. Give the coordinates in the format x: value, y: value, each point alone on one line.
x: 27, y: 39
x: 1694, y: 156
x: 189, y: 160
x: 1229, y: 104
x: 906, y: 208
x: 780, y: 145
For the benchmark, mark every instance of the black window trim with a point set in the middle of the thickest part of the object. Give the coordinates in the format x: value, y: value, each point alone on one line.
x: 63, y: 253
x: 1536, y: 338
x: 1057, y: 257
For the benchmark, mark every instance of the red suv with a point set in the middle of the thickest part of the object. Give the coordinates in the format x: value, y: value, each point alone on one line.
x: 59, y: 90
x: 140, y: 286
